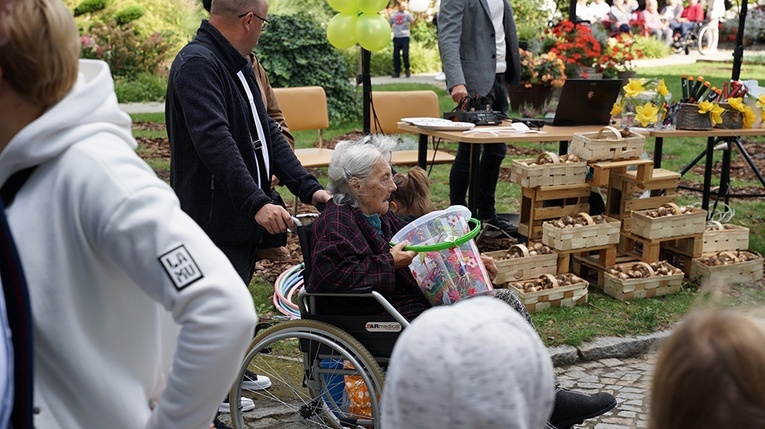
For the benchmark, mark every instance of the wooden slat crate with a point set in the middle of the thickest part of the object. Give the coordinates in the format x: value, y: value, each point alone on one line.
x: 527, y: 267
x: 647, y: 287
x: 689, y: 223
x: 625, y: 193
x: 605, y: 257
x: 730, y: 237
x: 714, y: 276
x: 607, y: 144
x: 562, y: 296
x: 550, y: 202
x: 601, y: 170
x: 583, y: 237
x: 649, y: 250
x: 555, y: 173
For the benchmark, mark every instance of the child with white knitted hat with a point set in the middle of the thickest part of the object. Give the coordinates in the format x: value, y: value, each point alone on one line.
x: 422, y: 389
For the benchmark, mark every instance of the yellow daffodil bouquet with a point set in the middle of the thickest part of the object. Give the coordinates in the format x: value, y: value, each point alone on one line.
x: 644, y: 102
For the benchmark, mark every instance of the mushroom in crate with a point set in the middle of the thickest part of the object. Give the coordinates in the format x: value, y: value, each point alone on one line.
x: 581, y: 232
x: 521, y: 262
x: 729, y: 267
x: 642, y: 280
x: 667, y: 221
x: 547, y: 290
x: 548, y: 169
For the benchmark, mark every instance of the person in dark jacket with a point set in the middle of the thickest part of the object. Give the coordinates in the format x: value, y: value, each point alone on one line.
x: 224, y: 147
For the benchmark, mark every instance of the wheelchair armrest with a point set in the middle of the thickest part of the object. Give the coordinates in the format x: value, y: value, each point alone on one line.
x: 303, y: 297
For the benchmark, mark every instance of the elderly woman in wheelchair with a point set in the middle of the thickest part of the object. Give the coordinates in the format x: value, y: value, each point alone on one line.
x: 359, y: 295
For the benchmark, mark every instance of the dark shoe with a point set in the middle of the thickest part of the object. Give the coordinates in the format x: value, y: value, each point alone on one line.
x: 572, y: 408
x: 408, y: 73
x: 497, y: 226
x: 394, y: 75
x: 219, y: 424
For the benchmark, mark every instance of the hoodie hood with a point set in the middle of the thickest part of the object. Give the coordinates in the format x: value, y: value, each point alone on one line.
x: 83, y: 112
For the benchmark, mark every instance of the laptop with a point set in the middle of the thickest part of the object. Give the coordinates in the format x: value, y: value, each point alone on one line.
x: 582, y: 102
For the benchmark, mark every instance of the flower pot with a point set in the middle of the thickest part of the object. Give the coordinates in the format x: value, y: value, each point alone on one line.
x: 536, y: 95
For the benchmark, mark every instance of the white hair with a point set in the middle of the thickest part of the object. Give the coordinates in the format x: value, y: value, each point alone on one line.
x: 355, y: 158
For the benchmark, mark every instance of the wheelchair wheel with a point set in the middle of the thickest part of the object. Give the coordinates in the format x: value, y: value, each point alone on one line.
x: 321, y: 378
x: 704, y: 40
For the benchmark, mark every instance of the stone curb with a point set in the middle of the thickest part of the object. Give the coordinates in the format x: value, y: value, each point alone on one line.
x: 607, y: 347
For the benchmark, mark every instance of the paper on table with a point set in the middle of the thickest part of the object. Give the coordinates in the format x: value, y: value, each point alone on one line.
x: 514, y: 128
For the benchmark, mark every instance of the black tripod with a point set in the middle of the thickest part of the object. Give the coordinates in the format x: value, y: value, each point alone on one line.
x: 729, y: 142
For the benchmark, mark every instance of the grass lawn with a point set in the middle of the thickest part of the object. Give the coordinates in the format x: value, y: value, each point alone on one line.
x: 603, y: 315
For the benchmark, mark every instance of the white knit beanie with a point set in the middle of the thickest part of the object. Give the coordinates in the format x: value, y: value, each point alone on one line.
x: 476, y: 364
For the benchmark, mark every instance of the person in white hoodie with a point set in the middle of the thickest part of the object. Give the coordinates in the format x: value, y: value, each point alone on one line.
x: 136, y: 323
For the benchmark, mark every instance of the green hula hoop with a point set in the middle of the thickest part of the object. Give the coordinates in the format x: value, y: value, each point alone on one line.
x: 447, y: 244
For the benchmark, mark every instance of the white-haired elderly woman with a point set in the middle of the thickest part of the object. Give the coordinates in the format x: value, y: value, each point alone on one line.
x: 351, y: 236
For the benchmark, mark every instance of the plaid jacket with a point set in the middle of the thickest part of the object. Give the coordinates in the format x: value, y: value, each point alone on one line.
x: 349, y: 254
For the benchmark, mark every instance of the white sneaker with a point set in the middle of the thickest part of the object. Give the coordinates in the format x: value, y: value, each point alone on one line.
x: 247, y: 404
x: 441, y: 76
x: 252, y: 381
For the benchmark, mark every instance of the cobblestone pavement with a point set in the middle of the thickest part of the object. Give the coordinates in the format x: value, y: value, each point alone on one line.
x: 629, y: 380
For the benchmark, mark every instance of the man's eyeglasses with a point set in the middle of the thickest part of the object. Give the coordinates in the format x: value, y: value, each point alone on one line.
x: 265, y: 21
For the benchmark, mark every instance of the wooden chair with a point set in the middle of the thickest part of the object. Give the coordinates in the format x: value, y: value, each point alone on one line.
x: 305, y: 108
x: 388, y: 109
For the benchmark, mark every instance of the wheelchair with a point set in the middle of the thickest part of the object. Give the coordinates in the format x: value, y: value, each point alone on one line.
x: 699, y: 36
x: 327, y: 370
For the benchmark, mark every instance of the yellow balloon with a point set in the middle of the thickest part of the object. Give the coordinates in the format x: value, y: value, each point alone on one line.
x: 372, y: 31
x: 371, y: 6
x: 343, y: 6
x: 341, y: 30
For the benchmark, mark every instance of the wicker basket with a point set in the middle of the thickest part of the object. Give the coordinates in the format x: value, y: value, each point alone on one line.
x: 719, y: 238
x: 714, y: 276
x: 526, y: 267
x: 688, y: 223
x: 559, y: 296
x: 647, y: 287
x: 606, y: 145
x: 582, y: 237
x: 689, y: 118
x: 732, y: 119
x: 554, y: 173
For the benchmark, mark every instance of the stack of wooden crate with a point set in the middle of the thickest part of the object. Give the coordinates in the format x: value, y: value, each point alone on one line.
x: 550, y: 191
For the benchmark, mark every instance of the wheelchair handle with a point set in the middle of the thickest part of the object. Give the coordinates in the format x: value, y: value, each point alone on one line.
x: 298, y: 223
x: 447, y: 244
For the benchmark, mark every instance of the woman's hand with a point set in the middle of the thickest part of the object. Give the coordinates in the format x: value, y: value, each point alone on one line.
x: 491, y: 266
x: 402, y: 258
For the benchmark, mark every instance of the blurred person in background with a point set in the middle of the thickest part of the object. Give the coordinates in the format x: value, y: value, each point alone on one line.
x: 710, y: 373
